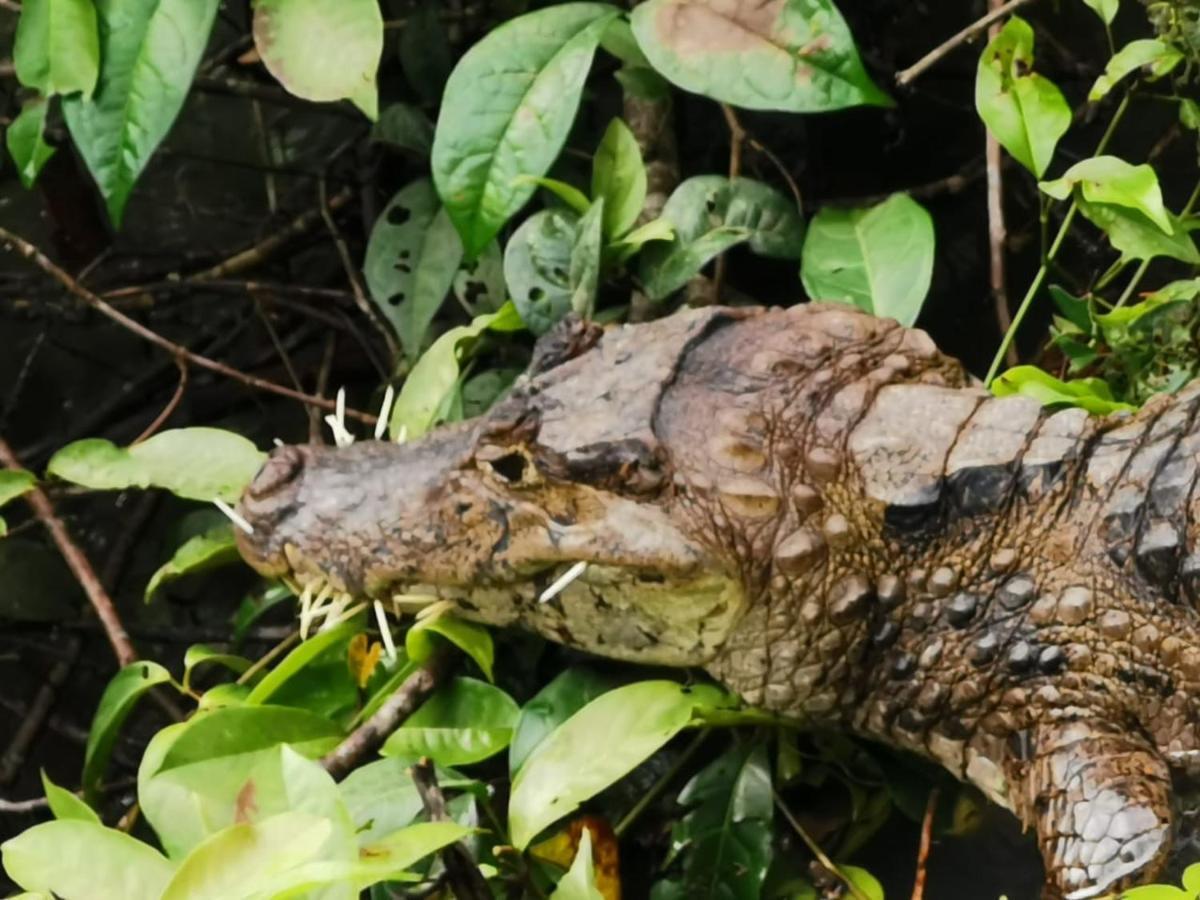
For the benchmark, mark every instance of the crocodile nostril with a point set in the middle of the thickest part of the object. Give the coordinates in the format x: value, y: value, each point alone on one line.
x: 281, y: 469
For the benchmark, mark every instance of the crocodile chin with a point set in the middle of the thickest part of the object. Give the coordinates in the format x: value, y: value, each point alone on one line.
x: 460, y: 519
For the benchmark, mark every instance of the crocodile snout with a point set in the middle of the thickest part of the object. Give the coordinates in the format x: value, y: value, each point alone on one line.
x: 270, y: 498
x: 281, y: 471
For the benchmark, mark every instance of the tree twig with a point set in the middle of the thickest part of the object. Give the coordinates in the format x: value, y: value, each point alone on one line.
x: 918, y: 891
x: 828, y: 864
x: 737, y: 138
x: 171, y: 406
x: 340, y: 761
x: 934, y: 56
x: 462, y: 874
x: 34, y: 255
x: 997, y: 233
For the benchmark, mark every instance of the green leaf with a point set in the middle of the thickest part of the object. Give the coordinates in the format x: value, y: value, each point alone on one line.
x: 401, y: 849
x: 241, y: 729
x: 665, y: 271
x: 506, y: 112
x: 14, y: 483
x: 436, y: 373
x: 866, y: 883
x: 619, y: 177
x: 1158, y: 57
x: 1025, y: 112
x: 1105, y: 9
x: 567, y: 193
x: 194, y: 463
x: 25, y: 142
x: 1189, y: 114
x: 654, y: 230
x: 322, y: 50
x: 463, y: 722
x: 66, y: 805
x: 381, y: 798
x: 251, y: 859
x: 116, y: 703
x: 213, y: 549
x: 473, y: 640
x: 615, y: 733
x: 566, y: 694
x: 412, y: 257
x: 299, y: 658
x: 537, y: 267
x: 791, y: 55
x: 725, y: 837
x: 57, y: 49
x: 149, y: 51
x: 879, y: 258
x: 201, y: 654
x: 1136, y: 236
x: 479, y: 284
x: 584, y: 269
x: 75, y: 859
x: 579, y: 882
x: 1108, y: 179
x: 404, y: 126
x: 1188, y: 289
x: 1091, y: 394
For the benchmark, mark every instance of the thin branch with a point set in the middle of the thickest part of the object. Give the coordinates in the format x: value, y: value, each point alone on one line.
x: 171, y: 406
x: 737, y: 138
x: 997, y: 232
x: 78, y: 563
x: 918, y: 891
x: 823, y: 858
x: 32, y: 253
x: 462, y: 873
x: 340, y: 761
x: 934, y: 56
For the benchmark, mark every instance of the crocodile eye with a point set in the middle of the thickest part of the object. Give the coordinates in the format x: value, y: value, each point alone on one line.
x: 511, y: 467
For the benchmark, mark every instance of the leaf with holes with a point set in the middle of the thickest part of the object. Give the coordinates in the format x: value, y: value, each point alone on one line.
x: 412, y: 258
x: 26, y: 142
x: 57, y: 47
x: 792, y: 55
x: 537, y: 267
x: 322, y: 50
x: 619, y: 178
x: 506, y: 112
x: 584, y: 269
x: 1025, y: 112
x: 149, y: 51
x: 879, y: 259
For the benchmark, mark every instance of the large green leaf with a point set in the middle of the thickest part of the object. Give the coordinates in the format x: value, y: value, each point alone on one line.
x: 1025, y: 112
x: 412, y: 257
x: 57, y: 49
x: 1109, y: 179
x: 1155, y: 56
x: 619, y: 177
x: 14, y: 483
x: 596, y: 746
x: 465, y: 721
x: 473, y: 640
x: 322, y: 49
x: 506, y: 112
x: 793, y: 55
x: 79, y: 860
x: 878, y: 258
x: 25, y: 141
x: 429, y: 384
x: 537, y: 267
x: 1091, y: 394
x: 216, y: 547
x: 381, y: 798
x: 195, y: 463
x: 295, y: 662
x: 116, y: 703
x: 725, y: 838
x: 566, y: 694
x: 241, y: 729
x: 149, y: 51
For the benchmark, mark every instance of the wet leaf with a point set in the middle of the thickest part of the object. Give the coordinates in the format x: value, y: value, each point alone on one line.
x: 26, y: 143
x: 213, y: 549
x: 116, y: 703
x: 506, y: 111
x: 724, y: 840
x: 616, y: 732
x: 566, y: 694
x: 66, y: 805
x: 1024, y: 111
x: 1108, y: 179
x: 463, y: 722
x: 194, y: 463
x: 296, y: 661
x: 405, y: 127
x: 878, y: 258
x: 73, y: 858
x: 57, y: 49
x: 412, y: 258
x: 619, y: 177
x: 322, y: 50
x: 1153, y: 56
x: 473, y: 640
x: 149, y: 51
x: 792, y: 55
x: 1091, y: 394
x: 537, y: 267
x: 435, y: 375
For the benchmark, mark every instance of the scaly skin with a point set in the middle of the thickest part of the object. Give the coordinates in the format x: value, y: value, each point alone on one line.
x: 830, y: 517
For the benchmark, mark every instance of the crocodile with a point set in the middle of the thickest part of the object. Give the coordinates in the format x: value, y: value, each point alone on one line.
x: 836, y: 521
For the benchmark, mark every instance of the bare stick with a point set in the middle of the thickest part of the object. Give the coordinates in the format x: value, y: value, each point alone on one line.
x: 737, y: 138
x: 78, y: 563
x: 462, y: 874
x: 171, y: 406
x: 997, y: 233
x: 34, y: 255
x: 918, y: 891
x: 340, y: 761
x: 934, y: 56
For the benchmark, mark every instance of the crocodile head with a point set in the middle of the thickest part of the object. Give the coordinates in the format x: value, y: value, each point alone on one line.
x: 556, y: 517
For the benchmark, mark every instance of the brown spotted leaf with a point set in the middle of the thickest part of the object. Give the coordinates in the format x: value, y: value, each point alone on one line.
x: 794, y: 55
x: 562, y: 847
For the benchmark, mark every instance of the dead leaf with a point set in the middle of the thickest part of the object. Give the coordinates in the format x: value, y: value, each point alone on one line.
x: 362, y: 658
x: 606, y: 860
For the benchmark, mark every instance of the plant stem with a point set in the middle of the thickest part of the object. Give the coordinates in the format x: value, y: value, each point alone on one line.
x: 1040, y: 277
x: 657, y: 788
x: 1141, y: 270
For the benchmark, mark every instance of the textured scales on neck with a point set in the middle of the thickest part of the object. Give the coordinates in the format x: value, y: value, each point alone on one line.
x: 828, y: 515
